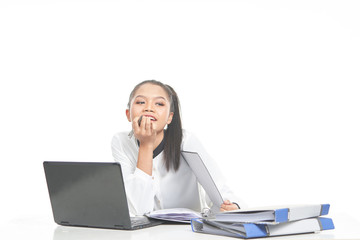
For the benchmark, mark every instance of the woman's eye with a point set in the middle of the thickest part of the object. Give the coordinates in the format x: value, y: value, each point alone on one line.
x: 160, y: 104
x: 140, y: 102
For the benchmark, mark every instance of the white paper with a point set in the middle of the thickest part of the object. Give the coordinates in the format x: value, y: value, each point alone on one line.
x: 175, y: 214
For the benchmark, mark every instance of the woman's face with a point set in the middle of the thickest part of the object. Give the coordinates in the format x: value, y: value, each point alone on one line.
x: 151, y: 101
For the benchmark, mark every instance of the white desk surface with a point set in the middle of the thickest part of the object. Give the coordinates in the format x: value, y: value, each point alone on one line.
x: 37, y: 227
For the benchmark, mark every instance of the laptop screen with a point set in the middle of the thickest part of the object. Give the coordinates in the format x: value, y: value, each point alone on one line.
x: 87, y: 194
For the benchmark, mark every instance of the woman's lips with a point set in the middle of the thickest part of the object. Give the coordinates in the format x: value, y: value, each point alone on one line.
x: 152, y: 118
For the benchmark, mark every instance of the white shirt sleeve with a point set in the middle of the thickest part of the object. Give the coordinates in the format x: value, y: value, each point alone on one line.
x: 139, y: 186
x: 194, y: 145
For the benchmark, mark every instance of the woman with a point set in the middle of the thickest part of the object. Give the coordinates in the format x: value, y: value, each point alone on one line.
x: 155, y: 175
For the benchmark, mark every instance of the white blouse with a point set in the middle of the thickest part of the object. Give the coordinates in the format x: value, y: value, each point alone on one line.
x: 165, y: 189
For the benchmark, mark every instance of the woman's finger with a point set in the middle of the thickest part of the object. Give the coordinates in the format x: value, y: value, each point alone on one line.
x: 135, y: 124
x: 147, y: 124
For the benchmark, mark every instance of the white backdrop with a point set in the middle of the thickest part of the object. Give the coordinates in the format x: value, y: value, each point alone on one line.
x: 271, y: 88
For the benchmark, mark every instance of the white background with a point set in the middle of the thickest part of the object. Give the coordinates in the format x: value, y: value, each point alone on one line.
x: 271, y: 88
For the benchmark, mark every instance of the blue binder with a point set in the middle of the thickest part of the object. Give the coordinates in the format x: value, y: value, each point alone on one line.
x: 252, y: 230
x: 273, y: 214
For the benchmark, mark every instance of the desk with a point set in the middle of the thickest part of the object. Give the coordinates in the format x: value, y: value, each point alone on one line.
x: 39, y: 228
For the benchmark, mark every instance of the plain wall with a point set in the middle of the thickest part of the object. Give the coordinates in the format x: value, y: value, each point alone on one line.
x: 271, y: 88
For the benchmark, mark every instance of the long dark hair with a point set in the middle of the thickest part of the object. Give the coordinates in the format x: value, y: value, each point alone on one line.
x: 173, y: 134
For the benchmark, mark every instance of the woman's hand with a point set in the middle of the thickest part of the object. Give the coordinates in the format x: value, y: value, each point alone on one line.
x: 145, y: 133
x: 228, y: 206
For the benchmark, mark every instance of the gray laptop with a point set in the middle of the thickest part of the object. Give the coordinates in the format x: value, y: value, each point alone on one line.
x: 90, y: 194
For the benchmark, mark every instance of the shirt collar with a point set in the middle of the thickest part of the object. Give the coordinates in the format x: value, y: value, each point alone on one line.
x: 157, y: 150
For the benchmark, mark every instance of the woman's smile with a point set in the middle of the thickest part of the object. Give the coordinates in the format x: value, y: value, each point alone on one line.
x: 152, y: 118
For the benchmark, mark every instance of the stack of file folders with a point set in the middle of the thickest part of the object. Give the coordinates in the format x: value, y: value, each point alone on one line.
x: 264, y: 222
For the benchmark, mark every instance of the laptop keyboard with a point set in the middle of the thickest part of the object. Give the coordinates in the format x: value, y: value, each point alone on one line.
x: 136, y: 221
x: 143, y: 222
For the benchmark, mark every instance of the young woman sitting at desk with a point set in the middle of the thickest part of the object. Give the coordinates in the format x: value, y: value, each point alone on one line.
x: 155, y: 175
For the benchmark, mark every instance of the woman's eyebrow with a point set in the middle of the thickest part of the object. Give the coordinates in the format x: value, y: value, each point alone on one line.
x: 142, y: 96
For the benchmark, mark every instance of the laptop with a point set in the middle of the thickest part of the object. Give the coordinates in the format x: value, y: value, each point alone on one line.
x: 89, y: 194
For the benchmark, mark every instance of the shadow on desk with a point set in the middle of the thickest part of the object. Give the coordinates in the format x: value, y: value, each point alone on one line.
x: 160, y: 232
x: 347, y: 227
x: 163, y: 231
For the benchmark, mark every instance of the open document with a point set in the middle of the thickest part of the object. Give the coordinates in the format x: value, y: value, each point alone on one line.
x: 175, y: 214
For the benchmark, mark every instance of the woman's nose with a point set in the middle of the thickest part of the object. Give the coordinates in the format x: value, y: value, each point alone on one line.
x: 148, y: 108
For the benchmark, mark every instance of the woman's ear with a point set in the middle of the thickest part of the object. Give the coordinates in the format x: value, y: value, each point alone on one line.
x: 170, y: 118
x: 128, y: 115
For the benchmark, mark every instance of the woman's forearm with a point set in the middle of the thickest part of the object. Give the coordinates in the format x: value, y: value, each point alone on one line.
x: 145, y: 158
